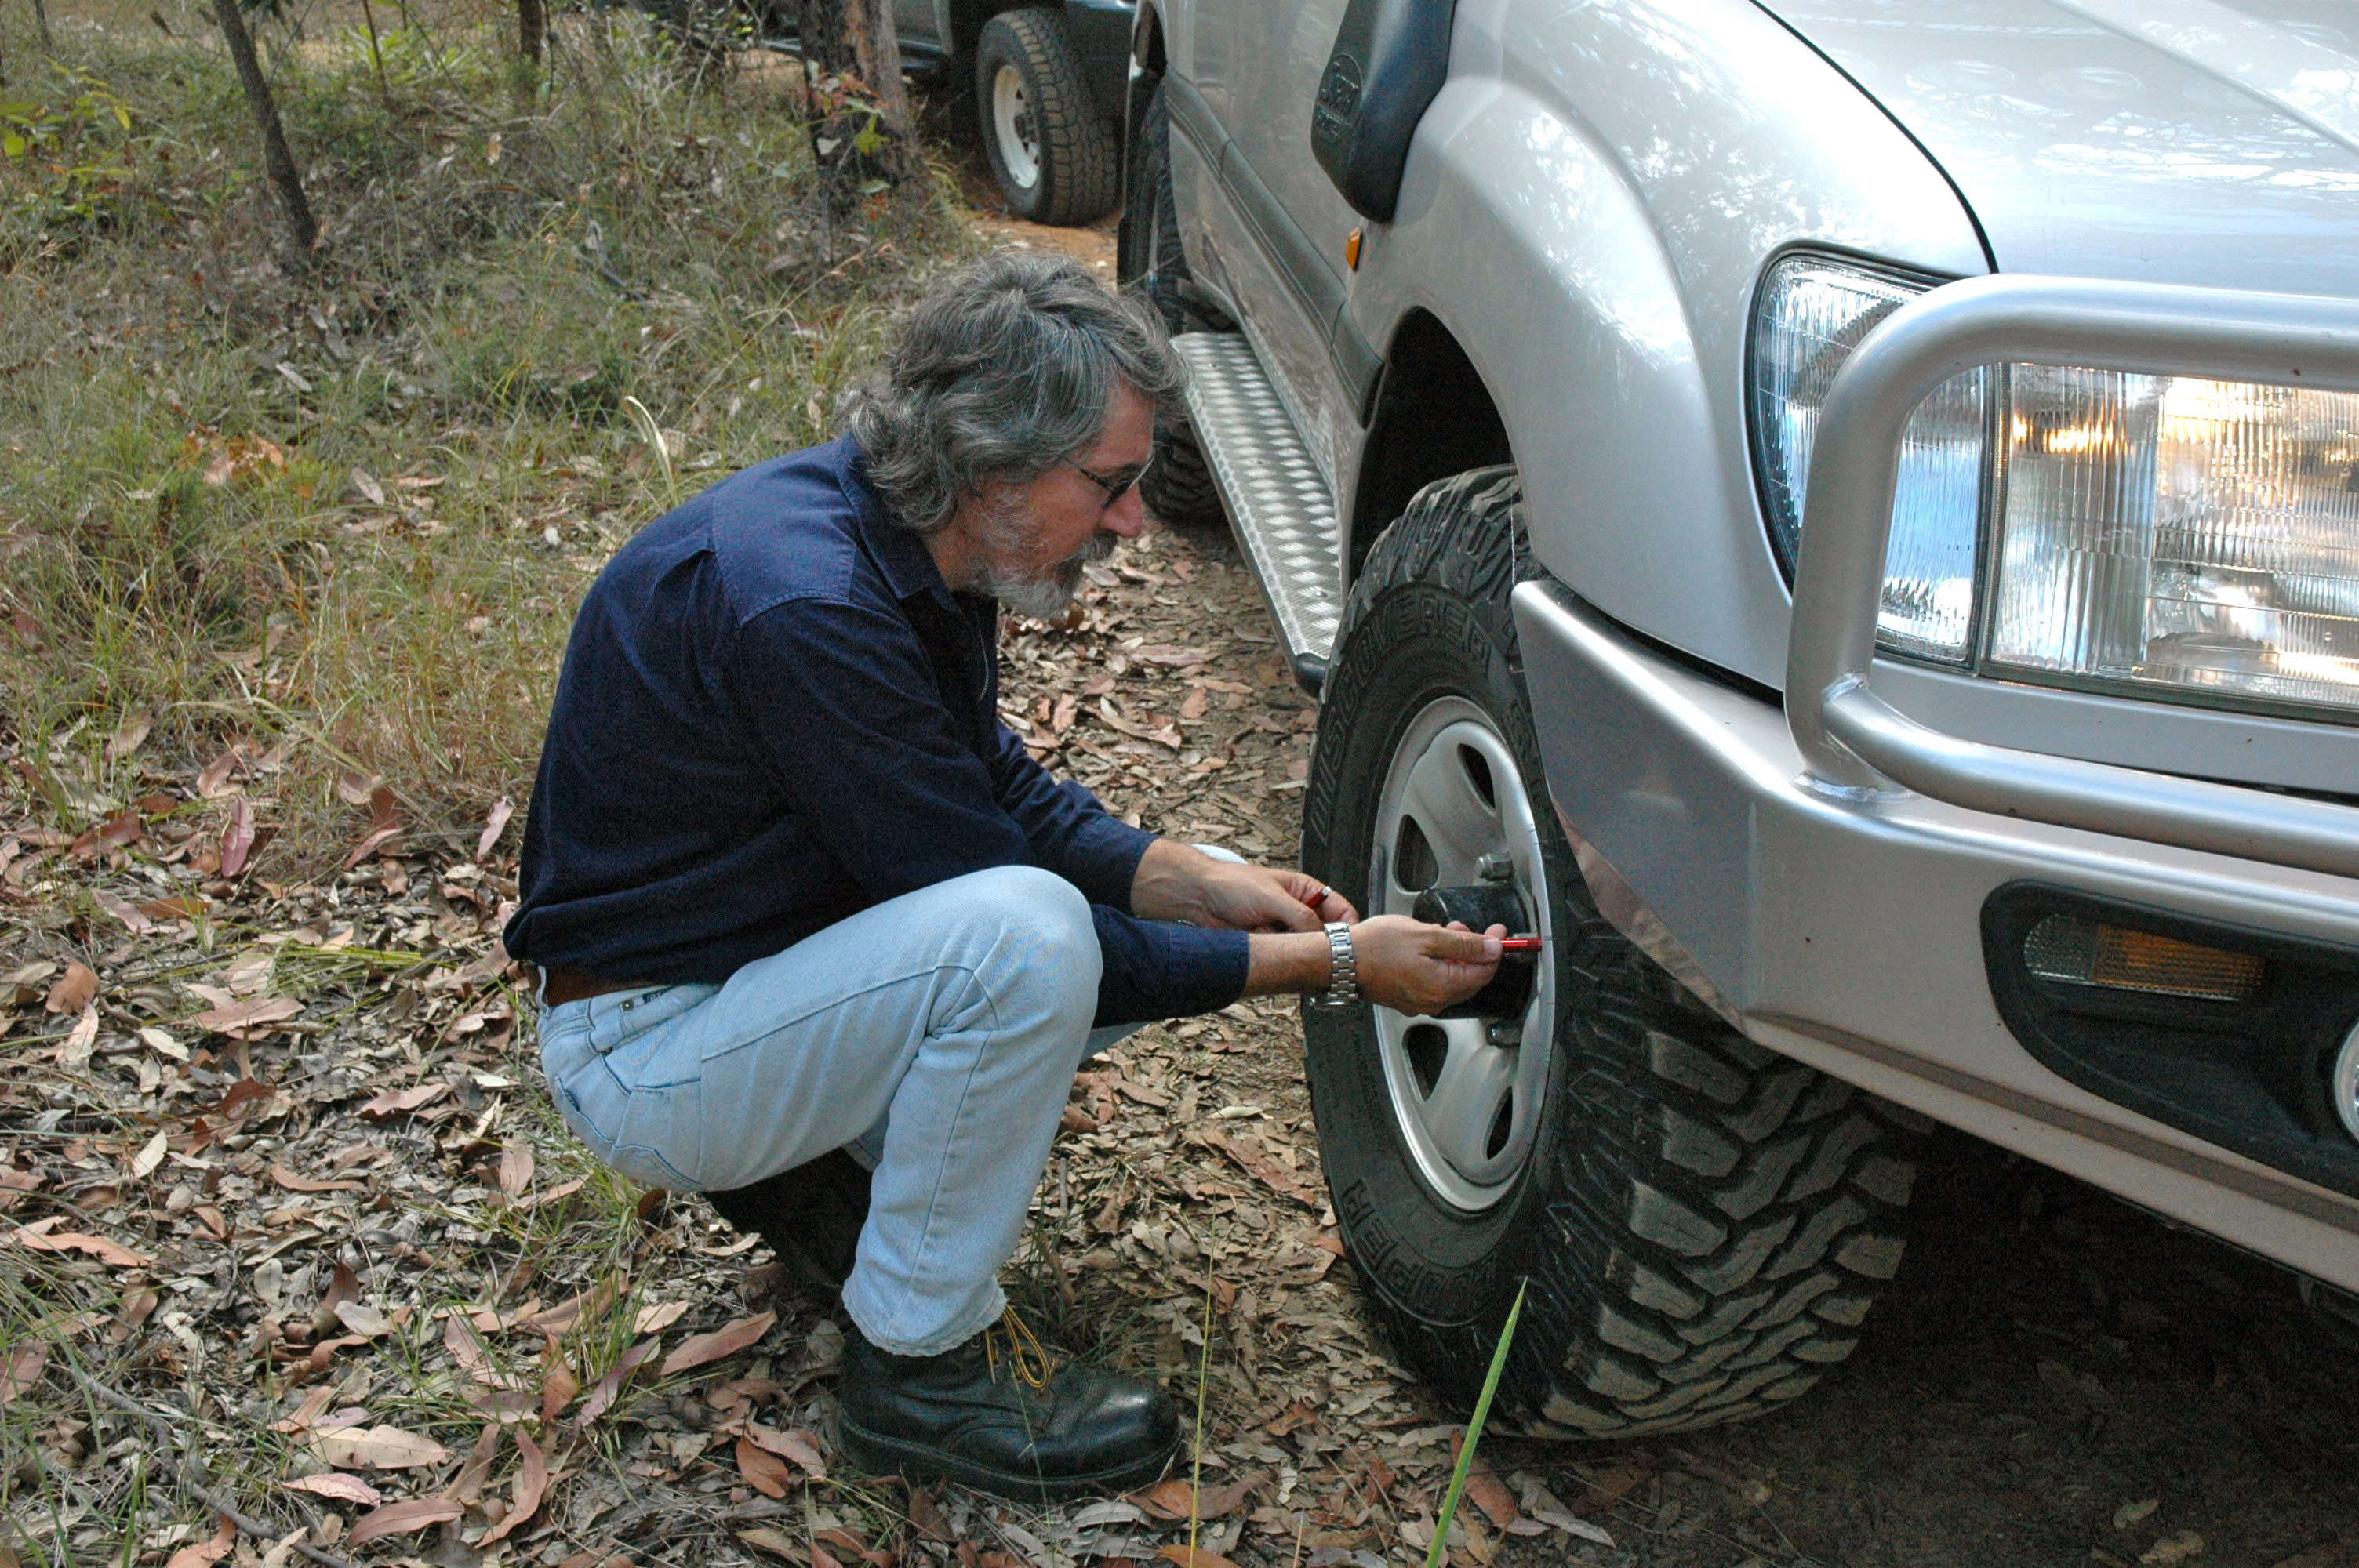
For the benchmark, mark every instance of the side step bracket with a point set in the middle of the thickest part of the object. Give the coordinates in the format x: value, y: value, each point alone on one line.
x: 1277, y: 501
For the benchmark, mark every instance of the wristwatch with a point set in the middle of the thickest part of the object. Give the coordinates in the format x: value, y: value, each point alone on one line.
x: 1343, y: 973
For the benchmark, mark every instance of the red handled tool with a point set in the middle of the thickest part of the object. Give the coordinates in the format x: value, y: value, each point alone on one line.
x: 1519, y: 944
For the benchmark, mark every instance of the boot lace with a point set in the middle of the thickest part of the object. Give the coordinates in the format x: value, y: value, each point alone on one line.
x: 1026, y: 1357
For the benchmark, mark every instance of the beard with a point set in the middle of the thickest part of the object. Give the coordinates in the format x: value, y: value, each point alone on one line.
x: 1010, y: 536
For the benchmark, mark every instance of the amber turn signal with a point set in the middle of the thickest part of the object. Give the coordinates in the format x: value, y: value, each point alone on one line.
x: 2086, y: 952
x: 1351, y: 250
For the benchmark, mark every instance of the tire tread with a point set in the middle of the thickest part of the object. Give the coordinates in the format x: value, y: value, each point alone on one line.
x: 1726, y: 1217
x: 1081, y: 175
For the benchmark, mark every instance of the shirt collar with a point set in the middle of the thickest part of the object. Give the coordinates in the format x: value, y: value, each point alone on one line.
x: 909, y: 566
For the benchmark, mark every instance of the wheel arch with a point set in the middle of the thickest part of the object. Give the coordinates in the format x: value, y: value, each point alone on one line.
x: 1148, y: 61
x: 962, y: 20
x: 1434, y: 416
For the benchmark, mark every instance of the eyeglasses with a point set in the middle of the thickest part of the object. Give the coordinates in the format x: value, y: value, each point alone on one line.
x: 1117, y: 484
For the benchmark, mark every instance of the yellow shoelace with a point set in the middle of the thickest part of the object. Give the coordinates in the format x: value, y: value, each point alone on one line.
x: 1027, y: 1358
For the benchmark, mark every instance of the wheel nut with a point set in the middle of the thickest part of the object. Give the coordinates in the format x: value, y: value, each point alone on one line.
x: 1497, y: 866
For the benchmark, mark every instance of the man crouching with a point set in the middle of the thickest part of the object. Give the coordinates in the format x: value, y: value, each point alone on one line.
x: 819, y: 939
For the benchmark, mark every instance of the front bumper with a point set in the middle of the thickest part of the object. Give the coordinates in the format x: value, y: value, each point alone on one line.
x: 1843, y: 927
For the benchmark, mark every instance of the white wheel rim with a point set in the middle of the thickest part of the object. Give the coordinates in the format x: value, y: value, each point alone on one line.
x: 1451, y: 1113
x: 1012, y: 127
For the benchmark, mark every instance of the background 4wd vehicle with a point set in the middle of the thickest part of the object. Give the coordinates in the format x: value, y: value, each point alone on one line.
x: 1047, y: 83
x: 1842, y: 516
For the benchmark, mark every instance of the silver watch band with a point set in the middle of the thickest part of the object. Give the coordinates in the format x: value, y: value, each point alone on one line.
x: 1343, y: 971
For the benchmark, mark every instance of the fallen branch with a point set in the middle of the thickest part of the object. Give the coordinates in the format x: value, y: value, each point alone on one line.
x: 178, y: 1473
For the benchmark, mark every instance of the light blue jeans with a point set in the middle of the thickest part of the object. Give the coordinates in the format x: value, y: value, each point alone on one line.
x: 937, y: 1034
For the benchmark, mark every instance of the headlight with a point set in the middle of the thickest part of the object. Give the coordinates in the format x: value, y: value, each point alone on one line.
x: 2171, y: 536
x: 1812, y: 313
x: 2155, y: 536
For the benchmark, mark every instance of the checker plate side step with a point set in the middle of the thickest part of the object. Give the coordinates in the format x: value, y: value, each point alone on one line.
x: 1277, y: 501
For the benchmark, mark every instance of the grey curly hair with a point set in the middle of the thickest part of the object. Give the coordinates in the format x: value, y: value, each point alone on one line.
x: 1005, y: 369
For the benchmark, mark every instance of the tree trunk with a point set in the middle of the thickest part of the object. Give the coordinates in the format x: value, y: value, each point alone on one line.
x: 41, y: 14
x: 876, y: 53
x: 302, y: 229
x: 853, y: 101
x: 532, y: 29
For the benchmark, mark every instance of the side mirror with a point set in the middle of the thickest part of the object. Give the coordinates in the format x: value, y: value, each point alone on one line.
x: 1390, y: 58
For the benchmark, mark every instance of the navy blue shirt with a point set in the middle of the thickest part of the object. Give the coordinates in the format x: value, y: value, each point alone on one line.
x: 774, y: 714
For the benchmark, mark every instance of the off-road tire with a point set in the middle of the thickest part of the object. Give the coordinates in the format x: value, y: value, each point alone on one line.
x: 1079, y: 164
x: 1703, y: 1223
x: 1178, y: 485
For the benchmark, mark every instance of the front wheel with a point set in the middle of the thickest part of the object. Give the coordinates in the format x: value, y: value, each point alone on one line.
x: 1702, y: 1223
x: 1051, y: 151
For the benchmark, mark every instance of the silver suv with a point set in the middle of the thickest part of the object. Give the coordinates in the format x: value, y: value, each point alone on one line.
x: 1841, y: 517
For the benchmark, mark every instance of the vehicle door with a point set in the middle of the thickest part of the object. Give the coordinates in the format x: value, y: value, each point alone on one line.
x: 1277, y: 222
x: 914, y: 21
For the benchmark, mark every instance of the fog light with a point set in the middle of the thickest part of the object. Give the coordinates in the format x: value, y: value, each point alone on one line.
x: 2346, y: 1083
x: 2083, y: 952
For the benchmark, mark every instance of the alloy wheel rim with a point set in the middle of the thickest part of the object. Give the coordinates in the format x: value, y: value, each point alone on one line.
x: 1011, y: 122
x: 1465, y: 1092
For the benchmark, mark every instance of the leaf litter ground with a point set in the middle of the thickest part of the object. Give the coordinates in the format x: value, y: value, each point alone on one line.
x: 280, y: 1167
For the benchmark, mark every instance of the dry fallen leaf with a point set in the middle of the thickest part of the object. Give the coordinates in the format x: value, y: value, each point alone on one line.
x: 253, y: 1012
x: 516, y: 1167
x: 133, y: 919
x: 657, y: 1317
x: 2176, y: 1548
x: 377, y: 1448
x: 151, y: 1154
x: 531, y: 1482
x: 128, y: 736
x: 337, y: 1485
x: 401, y: 1518
x: 38, y: 1238
x: 75, y: 990
x: 237, y: 839
x: 395, y: 1102
x: 761, y: 1538
x: 204, y: 1553
x: 558, y: 1385
x: 698, y: 1350
x: 765, y: 1471
x: 385, y: 826
x: 800, y: 1445
x: 212, y: 779
x: 1172, y: 1499
x: 494, y: 826
x: 20, y: 1369
x: 73, y: 1055
x: 610, y: 1386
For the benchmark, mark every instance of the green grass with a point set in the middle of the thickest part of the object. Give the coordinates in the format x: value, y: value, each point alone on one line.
x: 563, y: 301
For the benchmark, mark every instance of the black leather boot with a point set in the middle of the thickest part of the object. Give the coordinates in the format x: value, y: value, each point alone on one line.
x: 998, y: 1414
x: 811, y: 1215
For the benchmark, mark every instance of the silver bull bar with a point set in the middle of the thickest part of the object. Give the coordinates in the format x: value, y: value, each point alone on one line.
x: 1850, y: 740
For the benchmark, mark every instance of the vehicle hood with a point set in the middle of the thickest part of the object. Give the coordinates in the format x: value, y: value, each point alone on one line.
x: 2206, y: 142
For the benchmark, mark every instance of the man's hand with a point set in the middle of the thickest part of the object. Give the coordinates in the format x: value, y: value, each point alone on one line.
x: 1418, y: 969
x: 1175, y: 881
x: 1403, y: 964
